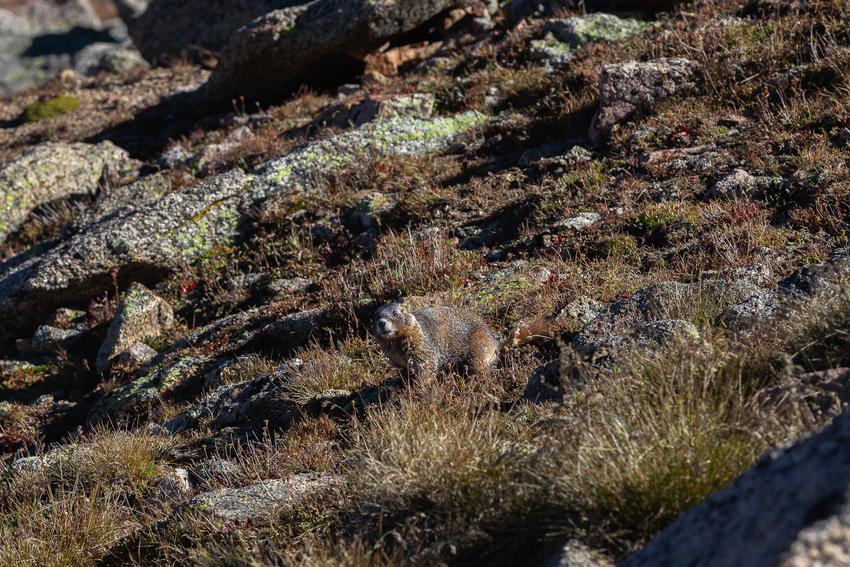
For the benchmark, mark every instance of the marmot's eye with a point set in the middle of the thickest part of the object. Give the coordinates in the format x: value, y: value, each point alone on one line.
x: 396, y: 313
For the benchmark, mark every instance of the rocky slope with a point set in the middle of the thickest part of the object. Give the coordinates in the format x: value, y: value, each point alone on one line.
x: 204, y: 204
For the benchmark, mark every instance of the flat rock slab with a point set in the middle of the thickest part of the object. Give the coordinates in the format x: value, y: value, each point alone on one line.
x: 258, y: 500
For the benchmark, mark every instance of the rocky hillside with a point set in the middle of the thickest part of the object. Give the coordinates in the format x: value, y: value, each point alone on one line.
x: 204, y: 203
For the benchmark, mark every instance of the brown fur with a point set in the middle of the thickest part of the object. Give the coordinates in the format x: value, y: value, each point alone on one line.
x: 433, y: 341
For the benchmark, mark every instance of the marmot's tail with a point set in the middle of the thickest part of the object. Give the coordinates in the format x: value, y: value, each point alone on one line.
x: 524, y: 333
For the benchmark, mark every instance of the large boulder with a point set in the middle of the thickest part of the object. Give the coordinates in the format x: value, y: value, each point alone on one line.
x: 53, y: 171
x: 790, y: 509
x: 626, y: 89
x: 166, y: 29
x: 284, y: 49
x: 141, y: 315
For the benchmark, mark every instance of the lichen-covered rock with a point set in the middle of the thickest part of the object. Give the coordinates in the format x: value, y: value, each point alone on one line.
x: 631, y: 87
x: 147, y: 242
x: 164, y: 29
x: 127, y: 197
x: 53, y: 171
x: 597, y: 26
x: 563, y: 36
x: 377, y: 106
x: 805, y: 284
x: 277, y: 52
x: 578, y: 222
x: 399, y: 136
x: 215, y: 469
x: 579, y: 312
x: 737, y: 185
x: 173, y: 484
x: 790, y: 509
x: 149, y: 390
x: 135, y: 356
x: 261, y: 499
x: 141, y: 315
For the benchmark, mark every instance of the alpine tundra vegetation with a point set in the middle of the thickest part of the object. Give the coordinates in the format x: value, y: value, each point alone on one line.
x: 260, y: 261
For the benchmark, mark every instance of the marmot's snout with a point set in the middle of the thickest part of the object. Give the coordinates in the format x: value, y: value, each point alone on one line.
x: 388, y: 319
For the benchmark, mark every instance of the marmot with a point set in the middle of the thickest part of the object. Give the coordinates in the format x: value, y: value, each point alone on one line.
x: 434, y: 340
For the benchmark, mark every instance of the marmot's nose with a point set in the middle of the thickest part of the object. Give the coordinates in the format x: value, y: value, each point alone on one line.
x: 383, y: 325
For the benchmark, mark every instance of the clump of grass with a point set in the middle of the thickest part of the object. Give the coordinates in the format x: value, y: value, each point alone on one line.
x: 347, y: 366
x: 652, y: 219
x: 406, y: 265
x: 71, y: 528
x: 439, y: 456
x: 245, y: 368
x: 125, y: 462
x: 618, y: 246
x: 661, y: 434
x: 311, y: 445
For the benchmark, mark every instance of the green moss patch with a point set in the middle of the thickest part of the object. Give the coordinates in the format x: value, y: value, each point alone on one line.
x: 56, y: 106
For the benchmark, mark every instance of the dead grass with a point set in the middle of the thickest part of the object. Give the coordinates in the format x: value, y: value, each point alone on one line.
x: 72, y: 528
x: 347, y: 366
x: 405, y: 265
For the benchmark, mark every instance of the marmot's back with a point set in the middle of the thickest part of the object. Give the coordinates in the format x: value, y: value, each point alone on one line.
x: 454, y: 333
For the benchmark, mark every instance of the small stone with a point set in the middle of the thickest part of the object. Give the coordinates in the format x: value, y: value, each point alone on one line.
x: 49, y: 340
x: 737, y: 185
x: 108, y: 57
x: 138, y: 355
x: 174, y: 485
x: 367, y: 212
x: 289, y: 285
x: 578, y: 222
x: 174, y: 156
x: 579, y: 312
x: 141, y: 315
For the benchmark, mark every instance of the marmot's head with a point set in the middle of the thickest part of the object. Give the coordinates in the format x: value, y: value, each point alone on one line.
x: 392, y: 321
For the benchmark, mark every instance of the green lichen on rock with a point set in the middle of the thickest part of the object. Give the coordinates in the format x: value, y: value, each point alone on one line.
x: 146, y: 391
x: 404, y: 135
x: 56, y: 106
x: 595, y: 27
x: 204, y: 232
x: 564, y: 36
